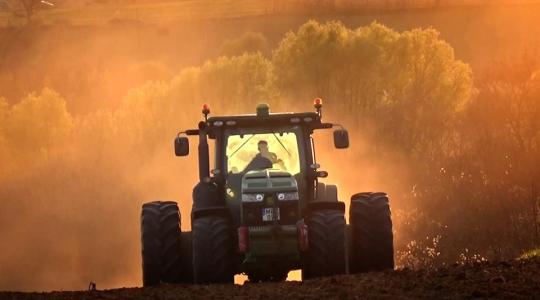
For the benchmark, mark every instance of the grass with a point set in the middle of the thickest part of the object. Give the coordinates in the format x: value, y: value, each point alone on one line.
x: 535, y: 253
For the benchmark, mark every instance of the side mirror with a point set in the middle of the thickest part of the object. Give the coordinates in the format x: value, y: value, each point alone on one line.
x: 322, y: 174
x: 181, y: 146
x: 341, y: 139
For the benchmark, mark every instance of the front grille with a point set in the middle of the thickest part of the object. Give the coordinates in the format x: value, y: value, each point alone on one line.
x: 256, y: 228
x: 281, y: 184
x: 256, y: 184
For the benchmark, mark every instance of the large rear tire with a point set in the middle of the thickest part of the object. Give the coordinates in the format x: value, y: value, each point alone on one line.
x: 212, y: 250
x: 160, y: 239
x: 372, y: 246
x: 326, y: 253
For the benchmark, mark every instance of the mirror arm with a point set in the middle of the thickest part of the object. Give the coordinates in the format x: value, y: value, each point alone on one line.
x: 321, y: 126
x: 188, y: 132
x: 192, y: 132
x: 338, y: 125
x: 328, y: 126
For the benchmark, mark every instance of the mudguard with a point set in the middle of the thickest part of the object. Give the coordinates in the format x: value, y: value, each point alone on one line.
x: 207, y: 202
x: 205, y: 194
x: 324, y: 205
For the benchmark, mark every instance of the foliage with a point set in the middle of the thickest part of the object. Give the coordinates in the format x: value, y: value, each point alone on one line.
x: 249, y: 42
x: 421, y: 254
x: 37, y: 123
x: 152, y: 113
x: 410, y: 82
x: 530, y: 254
x: 468, y: 258
x: 238, y: 81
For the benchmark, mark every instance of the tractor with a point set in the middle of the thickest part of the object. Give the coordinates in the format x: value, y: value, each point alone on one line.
x: 263, y: 209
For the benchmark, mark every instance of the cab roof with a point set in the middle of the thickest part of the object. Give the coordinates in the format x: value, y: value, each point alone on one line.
x: 312, y: 119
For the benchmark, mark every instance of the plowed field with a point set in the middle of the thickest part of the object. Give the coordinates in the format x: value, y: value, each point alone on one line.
x: 518, y: 279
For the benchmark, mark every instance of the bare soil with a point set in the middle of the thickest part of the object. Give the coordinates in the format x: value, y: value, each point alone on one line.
x: 519, y: 279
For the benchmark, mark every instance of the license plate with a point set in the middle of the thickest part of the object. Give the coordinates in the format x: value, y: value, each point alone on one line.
x: 269, y: 214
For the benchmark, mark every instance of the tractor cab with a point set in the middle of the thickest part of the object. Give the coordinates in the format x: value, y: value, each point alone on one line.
x: 264, y: 145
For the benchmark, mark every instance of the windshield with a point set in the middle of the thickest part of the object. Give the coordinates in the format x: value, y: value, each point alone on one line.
x: 263, y: 151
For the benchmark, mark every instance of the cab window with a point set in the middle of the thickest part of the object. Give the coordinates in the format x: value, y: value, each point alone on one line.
x: 263, y: 151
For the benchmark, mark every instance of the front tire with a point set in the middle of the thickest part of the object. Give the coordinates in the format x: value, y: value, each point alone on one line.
x: 326, y: 253
x: 372, y: 246
x: 212, y: 250
x: 160, y: 239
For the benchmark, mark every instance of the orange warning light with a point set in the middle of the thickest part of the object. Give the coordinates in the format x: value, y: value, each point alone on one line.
x: 205, y: 109
x: 317, y: 103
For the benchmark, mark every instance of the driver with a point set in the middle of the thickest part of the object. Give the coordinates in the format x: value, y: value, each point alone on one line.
x: 264, y: 152
x: 264, y: 159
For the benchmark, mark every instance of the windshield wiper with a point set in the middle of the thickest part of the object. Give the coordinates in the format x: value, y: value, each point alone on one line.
x: 289, y: 153
x: 240, y: 147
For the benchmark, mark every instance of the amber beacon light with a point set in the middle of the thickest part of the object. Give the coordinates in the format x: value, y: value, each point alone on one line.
x: 317, y: 103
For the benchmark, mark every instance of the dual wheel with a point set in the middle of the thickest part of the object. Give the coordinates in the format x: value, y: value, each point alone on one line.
x: 167, y: 253
x: 168, y: 257
x: 367, y: 242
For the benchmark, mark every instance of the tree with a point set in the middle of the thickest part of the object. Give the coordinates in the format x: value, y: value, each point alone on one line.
x: 249, y: 42
x: 153, y: 112
x: 38, y: 123
x: 239, y: 81
x: 410, y: 82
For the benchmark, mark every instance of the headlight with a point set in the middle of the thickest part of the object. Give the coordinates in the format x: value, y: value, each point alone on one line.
x: 252, y: 197
x: 287, y: 196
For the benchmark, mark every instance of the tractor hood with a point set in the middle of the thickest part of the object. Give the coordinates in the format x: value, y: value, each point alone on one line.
x: 268, y: 181
x: 269, y: 213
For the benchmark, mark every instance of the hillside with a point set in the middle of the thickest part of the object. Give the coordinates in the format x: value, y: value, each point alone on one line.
x: 101, y: 12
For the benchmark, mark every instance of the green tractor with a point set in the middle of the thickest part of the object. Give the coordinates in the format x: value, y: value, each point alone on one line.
x: 263, y: 210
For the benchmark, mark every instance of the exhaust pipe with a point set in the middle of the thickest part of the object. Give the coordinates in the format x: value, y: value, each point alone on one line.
x: 204, y: 159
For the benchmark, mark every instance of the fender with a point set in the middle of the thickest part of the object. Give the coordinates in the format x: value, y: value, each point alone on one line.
x: 207, y: 202
x: 325, y: 205
x: 206, y: 194
x: 221, y: 211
